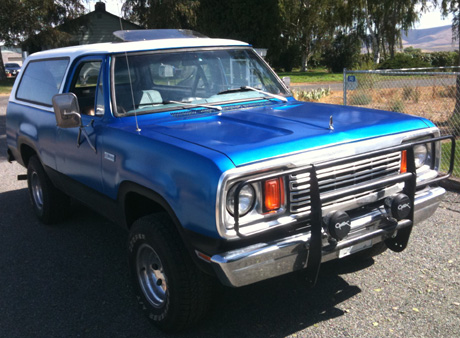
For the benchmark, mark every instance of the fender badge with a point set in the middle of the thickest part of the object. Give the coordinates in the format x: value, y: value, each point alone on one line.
x: 331, y: 123
x: 110, y: 157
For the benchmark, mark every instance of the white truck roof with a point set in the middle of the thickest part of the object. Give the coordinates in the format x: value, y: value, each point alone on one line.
x: 120, y: 47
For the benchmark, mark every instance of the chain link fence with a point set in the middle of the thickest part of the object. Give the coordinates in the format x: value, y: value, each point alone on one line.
x: 427, y: 92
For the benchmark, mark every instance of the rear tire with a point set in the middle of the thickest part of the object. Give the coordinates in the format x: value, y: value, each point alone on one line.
x: 173, y: 293
x: 50, y: 204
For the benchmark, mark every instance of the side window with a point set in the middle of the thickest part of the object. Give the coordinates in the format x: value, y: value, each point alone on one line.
x: 84, y: 85
x: 41, y: 81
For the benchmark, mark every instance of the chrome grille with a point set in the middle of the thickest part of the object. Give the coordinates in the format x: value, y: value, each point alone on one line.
x: 340, y: 177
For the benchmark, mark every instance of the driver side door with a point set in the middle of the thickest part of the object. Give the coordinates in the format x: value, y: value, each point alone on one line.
x: 78, y: 156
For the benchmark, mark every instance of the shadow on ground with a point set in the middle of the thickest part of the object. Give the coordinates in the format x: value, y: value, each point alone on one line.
x: 72, y: 280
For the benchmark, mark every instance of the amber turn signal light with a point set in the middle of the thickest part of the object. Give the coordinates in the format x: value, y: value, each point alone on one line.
x: 403, y: 168
x: 274, y: 194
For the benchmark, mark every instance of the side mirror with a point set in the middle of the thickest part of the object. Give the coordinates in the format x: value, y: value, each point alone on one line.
x: 66, y: 110
x: 287, y: 81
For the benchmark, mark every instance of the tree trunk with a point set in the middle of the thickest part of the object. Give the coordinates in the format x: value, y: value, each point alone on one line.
x: 304, y: 62
x: 305, y: 55
x: 2, y: 67
x: 376, y: 50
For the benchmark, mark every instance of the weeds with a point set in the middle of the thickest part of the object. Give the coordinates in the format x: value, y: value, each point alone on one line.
x: 360, y: 99
x: 311, y: 95
x: 447, y: 92
x: 397, y: 106
x: 408, y: 92
x: 417, y: 95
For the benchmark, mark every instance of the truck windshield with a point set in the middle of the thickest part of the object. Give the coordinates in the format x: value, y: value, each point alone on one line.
x: 146, y: 83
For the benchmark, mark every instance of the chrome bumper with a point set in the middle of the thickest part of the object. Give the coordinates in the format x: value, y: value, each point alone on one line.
x: 266, y: 260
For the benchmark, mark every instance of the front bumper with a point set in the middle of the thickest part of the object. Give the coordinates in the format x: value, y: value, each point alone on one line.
x: 266, y: 260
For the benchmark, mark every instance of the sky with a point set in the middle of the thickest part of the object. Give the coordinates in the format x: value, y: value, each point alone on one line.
x: 428, y: 20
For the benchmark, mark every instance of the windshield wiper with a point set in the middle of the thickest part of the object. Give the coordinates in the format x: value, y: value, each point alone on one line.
x: 247, y: 88
x: 193, y: 104
x: 219, y: 108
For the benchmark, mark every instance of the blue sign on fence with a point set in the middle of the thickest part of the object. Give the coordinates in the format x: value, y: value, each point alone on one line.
x: 352, y: 82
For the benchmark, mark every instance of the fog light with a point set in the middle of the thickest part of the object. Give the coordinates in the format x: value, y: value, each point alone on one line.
x: 338, y: 224
x: 399, y: 206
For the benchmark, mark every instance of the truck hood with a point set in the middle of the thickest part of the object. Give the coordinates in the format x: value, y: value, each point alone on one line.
x: 248, y: 135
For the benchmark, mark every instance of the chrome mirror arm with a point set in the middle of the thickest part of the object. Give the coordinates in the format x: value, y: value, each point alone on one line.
x: 83, y: 131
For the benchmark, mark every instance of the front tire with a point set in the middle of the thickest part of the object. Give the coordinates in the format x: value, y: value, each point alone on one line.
x: 49, y: 203
x: 171, y: 290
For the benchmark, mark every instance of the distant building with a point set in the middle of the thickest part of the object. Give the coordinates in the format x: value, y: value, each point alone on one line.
x: 95, y: 27
x: 11, y: 55
x: 98, y: 26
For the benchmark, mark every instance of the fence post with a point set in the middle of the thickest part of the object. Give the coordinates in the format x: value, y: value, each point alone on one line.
x: 344, y: 86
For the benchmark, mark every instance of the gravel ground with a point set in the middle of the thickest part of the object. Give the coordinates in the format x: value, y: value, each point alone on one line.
x: 71, y: 280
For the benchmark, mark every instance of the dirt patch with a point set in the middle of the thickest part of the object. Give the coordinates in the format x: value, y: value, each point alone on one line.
x: 436, y: 103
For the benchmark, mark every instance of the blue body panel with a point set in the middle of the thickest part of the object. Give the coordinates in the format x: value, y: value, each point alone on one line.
x: 255, y: 134
x: 35, y: 127
x: 184, y: 174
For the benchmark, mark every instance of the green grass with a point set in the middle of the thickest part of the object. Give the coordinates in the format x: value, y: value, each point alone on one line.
x: 314, y: 75
x: 6, y: 85
x: 445, y: 149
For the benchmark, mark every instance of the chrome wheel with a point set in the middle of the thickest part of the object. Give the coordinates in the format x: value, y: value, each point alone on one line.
x: 37, y: 191
x: 150, y: 275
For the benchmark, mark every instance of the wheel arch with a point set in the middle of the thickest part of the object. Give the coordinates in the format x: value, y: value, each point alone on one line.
x: 137, y: 201
x: 27, y: 151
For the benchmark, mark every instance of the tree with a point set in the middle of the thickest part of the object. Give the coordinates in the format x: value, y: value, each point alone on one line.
x: 309, y: 24
x: 23, y: 19
x: 384, y: 20
x: 343, y: 52
x: 256, y: 23
x: 161, y: 14
x: 399, y: 15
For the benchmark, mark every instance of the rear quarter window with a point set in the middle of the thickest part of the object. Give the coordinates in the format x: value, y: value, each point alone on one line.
x: 41, y: 81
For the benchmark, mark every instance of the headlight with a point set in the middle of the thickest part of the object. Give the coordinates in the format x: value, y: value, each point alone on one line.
x: 420, y: 155
x: 246, y: 199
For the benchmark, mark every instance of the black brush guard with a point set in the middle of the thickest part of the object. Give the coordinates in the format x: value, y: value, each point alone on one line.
x: 315, y: 218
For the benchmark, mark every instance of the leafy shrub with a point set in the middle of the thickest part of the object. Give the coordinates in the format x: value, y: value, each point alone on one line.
x: 444, y: 59
x: 365, y: 62
x: 402, y: 60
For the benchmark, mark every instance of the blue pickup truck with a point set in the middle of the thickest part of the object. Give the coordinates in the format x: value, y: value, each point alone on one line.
x: 198, y: 149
